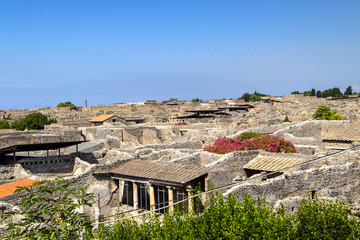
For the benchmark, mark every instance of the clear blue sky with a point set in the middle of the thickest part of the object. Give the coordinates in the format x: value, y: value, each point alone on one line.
x: 111, y: 51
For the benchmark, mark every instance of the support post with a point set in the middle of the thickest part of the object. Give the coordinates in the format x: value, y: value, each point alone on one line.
x: 135, y: 195
x: 170, y: 197
x: 14, y: 156
x: 190, y: 200
x: 77, y: 148
x: 121, y: 191
x: 204, y: 197
x: 152, y: 197
x: 97, y: 212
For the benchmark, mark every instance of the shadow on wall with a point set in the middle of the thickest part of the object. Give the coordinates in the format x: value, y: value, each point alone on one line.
x: 56, y: 164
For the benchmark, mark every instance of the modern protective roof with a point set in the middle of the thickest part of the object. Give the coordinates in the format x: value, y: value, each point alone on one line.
x: 101, y: 118
x: 349, y: 133
x: 187, y: 115
x: 161, y: 171
x: 272, y: 164
x: 9, y: 188
x: 38, y: 146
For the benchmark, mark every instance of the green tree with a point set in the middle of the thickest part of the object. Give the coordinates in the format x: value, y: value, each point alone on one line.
x: 319, y: 93
x: 254, y: 98
x: 50, y: 211
x: 325, y: 113
x: 312, y: 93
x: 173, y: 99
x: 34, y: 121
x: 295, y: 92
x: 307, y: 93
x: 65, y: 104
x: 245, y: 97
x: 320, y: 219
x: 197, y: 100
x: 348, y: 91
x: 4, y: 124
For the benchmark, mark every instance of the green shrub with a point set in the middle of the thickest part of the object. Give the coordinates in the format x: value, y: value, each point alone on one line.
x: 4, y: 124
x: 50, y: 211
x: 250, y: 219
x: 287, y: 119
x: 248, y: 135
x: 325, y: 113
x: 34, y: 121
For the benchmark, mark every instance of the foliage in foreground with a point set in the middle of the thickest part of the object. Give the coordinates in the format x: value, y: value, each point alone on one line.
x: 325, y: 113
x: 50, y: 211
x: 250, y: 219
x: 263, y: 142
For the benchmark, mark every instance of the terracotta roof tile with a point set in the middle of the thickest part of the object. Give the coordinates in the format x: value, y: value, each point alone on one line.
x: 101, y: 118
x: 350, y: 133
x: 163, y: 171
x: 9, y: 188
x: 272, y: 164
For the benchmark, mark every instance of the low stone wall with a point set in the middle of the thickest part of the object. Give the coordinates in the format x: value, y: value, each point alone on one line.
x: 332, y: 182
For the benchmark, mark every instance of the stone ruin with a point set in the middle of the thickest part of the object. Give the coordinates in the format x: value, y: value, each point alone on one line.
x: 159, y: 139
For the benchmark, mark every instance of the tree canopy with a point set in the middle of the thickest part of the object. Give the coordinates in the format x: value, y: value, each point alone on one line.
x: 325, y: 113
x: 34, y: 121
x: 65, y: 104
x: 197, y: 100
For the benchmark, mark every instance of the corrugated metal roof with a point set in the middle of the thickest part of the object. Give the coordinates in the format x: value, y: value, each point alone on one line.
x: 272, y: 164
x: 350, y: 132
x: 170, y: 172
x: 101, y: 118
x: 9, y: 188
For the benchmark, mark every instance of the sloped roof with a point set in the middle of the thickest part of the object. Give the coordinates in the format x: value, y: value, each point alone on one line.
x: 272, y: 164
x: 9, y: 188
x: 350, y: 132
x: 101, y: 118
x: 163, y: 171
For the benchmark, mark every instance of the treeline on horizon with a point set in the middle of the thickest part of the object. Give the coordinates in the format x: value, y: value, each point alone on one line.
x: 331, y: 92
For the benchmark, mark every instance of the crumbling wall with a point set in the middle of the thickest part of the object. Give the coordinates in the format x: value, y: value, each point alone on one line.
x: 330, y: 182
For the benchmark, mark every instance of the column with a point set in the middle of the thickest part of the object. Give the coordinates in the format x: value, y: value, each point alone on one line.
x: 190, y: 200
x: 152, y: 197
x: 135, y: 195
x: 204, y: 196
x: 171, y: 198
x: 121, y: 191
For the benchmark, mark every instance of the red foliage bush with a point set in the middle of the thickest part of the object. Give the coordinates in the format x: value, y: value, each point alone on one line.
x: 264, y: 142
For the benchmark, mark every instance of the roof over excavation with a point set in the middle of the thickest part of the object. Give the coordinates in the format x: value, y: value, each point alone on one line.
x: 163, y: 171
x: 38, y: 146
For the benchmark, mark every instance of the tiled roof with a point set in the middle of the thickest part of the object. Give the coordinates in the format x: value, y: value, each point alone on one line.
x: 9, y: 188
x: 101, y: 118
x: 272, y: 164
x: 170, y: 172
x: 349, y: 133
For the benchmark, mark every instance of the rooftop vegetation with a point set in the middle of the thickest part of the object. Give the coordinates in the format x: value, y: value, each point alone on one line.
x: 251, y: 141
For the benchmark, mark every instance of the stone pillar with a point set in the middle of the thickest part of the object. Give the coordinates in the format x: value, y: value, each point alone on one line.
x: 171, y: 198
x: 152, y: 197
x: 121, y: 191
x: 135, y: 195
x: 204, y: 196
x: 190, y: 200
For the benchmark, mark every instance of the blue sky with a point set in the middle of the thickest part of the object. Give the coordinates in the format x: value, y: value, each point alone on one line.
x: 125, y: 51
